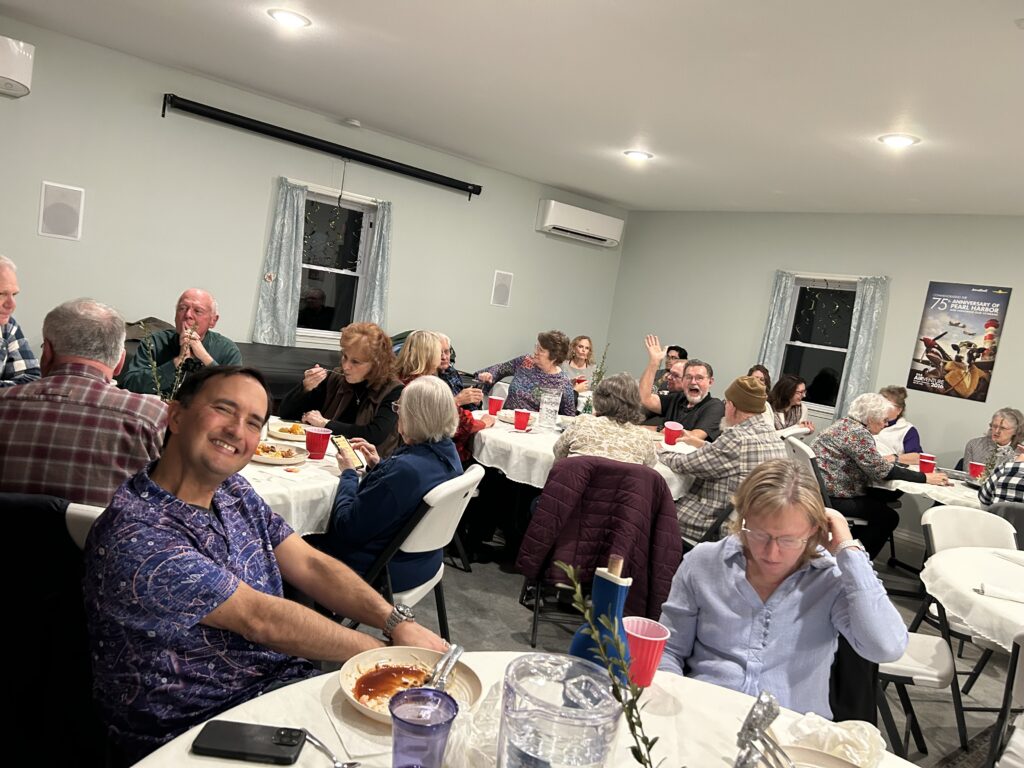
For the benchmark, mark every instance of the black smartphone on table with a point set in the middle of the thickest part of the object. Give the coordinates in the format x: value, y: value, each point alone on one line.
x: 248, y: 741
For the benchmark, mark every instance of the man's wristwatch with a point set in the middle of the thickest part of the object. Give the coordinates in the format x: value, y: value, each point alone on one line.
x: 850, y: 543
x: 401, y: 612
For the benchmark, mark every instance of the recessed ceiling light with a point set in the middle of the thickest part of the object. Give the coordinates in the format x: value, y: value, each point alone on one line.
x: 899, y: 140
x: 288, y: 18
x: 637, y: 154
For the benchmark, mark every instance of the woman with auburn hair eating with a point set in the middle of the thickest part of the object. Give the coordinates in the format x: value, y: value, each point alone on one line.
x: 356, y: 399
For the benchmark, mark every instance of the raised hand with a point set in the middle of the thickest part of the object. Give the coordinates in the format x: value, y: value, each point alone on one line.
x: 655, y: 351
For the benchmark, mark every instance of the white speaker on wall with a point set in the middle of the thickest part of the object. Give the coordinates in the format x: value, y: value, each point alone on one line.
x: 15, y: 66
x: 61, y: 209
x: 501, y: 289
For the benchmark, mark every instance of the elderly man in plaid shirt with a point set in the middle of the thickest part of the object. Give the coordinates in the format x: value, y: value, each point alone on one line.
x: 73, y: 433
x: 720, y: 467
x: 17, y: 363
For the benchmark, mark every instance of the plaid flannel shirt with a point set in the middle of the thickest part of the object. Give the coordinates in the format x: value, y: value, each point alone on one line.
x: 1006, y: 483
x: 18, y: 365
x: 718, y: 469
x: 75, y: 435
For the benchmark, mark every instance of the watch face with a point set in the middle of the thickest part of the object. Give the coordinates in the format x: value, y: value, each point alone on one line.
x: 405, y: 610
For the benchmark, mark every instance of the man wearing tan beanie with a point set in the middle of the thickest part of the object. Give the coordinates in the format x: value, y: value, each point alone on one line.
x: 718, y: 468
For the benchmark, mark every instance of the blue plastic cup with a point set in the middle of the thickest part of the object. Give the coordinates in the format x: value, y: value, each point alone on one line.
x: 421, y: 719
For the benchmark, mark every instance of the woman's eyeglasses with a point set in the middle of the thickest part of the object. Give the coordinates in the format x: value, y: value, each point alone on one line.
x: 762, y: 539
x: 396, y: 407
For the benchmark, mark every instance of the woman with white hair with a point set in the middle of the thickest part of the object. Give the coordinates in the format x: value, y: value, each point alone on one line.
x: 368, y: 515
x: 851, y: 464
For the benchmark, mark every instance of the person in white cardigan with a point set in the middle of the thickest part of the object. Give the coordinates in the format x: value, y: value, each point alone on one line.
x: 899, y: 440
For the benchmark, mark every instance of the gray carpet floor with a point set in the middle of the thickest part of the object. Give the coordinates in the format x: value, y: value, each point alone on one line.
x: 485, y: 615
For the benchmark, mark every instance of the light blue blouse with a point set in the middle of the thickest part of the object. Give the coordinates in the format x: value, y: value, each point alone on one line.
x: 724, y: 634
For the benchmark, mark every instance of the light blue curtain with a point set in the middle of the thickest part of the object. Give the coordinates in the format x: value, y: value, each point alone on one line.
x: 868, y: 309
x: 372, y: 300
x: 779, y: 323
x: 278, y: 303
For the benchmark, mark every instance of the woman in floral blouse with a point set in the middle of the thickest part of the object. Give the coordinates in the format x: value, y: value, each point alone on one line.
x: 850, y: 463
x: 613, y: 431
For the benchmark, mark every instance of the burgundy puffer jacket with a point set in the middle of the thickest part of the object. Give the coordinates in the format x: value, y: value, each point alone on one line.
x: 592, y: 508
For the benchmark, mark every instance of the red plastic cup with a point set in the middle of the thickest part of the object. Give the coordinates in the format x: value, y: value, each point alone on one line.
x: 976, y: 468
x: 316, y: 441
x: 646, y: 639
x: 672, y: 431
x: 522, y: 419
x: 494, y: 405
x: 926, y: 463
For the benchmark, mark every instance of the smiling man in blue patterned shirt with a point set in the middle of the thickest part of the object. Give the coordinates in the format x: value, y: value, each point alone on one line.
x: 184, y: 579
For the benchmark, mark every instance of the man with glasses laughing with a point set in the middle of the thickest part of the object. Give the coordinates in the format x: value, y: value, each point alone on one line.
x: 689, y: 400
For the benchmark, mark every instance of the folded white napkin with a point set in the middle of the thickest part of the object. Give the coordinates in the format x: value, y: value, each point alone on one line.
x: 991, y: 590
x: 360, y: 736
x: 855, y: 741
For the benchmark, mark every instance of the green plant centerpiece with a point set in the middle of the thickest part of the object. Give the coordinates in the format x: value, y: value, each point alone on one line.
x: 611, y: 652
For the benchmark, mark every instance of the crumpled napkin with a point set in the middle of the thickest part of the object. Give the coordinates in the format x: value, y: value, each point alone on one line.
x: 854, y: 740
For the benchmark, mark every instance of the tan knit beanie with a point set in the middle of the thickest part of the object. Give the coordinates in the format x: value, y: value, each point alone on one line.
x: 747, y: 394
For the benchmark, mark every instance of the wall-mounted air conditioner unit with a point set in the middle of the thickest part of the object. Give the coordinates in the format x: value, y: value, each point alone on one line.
x: 15, y: 66
x: 556, y: 218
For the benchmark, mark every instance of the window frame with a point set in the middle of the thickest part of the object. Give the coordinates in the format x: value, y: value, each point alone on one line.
x: 833, y: 283
x: 313, y: 338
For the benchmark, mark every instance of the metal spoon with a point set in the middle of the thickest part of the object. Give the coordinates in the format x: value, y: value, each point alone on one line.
x: 335, y: 762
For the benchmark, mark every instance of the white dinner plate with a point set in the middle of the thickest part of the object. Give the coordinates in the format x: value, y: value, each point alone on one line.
x: 287, y: 435
x: 463, y: 685
x: 301, y: 454
x: 510, y: 416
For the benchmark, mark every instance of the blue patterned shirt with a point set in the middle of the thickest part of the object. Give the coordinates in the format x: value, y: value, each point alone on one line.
x: 527, y: 383
x: 154, y: 568
x: 18, y: 365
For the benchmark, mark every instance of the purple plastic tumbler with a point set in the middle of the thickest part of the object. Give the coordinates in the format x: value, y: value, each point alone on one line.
x: 421, y: 719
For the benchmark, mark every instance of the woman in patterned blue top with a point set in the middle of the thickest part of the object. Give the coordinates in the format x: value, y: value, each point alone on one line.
x: 533, y: 373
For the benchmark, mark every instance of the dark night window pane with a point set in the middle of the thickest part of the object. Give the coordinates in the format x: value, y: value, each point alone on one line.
x: 823, y: 316
x: 327, y: 300
x: 822, y: 369
x: 331, y: 236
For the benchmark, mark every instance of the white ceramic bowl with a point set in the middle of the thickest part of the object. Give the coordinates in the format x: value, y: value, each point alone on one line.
x: 463, y: 684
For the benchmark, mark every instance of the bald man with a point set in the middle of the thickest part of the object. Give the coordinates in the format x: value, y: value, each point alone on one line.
x: 192, y: 345
x: 18, y: 365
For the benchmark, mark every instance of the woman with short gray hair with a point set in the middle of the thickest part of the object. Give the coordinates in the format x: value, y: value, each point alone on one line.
x: 368, y: 515
x: 1005, y: 432
x: 851, y: 464
x: 612, y: 431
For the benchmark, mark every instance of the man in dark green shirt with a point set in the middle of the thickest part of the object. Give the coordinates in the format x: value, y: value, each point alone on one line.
x: 190, y: 346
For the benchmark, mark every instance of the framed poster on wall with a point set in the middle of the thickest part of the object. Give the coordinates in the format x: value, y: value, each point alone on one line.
x: 958, y: 340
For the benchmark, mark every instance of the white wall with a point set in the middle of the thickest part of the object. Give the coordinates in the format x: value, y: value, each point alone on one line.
x: 176, y: 202
x: 703, y: 280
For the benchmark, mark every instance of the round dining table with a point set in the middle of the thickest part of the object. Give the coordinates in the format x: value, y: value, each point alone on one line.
x: 696, y: 723
x: 957, y: 493
x: 527, y: 457
x: 302, y: 494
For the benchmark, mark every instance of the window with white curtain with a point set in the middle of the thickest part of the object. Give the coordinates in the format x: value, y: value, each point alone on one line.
x: 819, y: 336
x: 337, y: 234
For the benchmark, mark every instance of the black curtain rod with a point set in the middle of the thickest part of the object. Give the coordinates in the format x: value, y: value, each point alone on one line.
x: 311, y: 142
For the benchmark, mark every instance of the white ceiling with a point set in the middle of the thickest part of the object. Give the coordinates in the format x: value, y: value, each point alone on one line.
x: 748, y: 105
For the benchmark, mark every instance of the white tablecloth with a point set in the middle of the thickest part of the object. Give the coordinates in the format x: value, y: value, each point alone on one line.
x: 950, y: 577
x: 526, y: 457
x: 303, y: 497
x: 958, y: 494
x: 696, y: 723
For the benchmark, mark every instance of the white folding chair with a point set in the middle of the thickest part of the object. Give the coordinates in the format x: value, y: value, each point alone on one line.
x: 447, y: 502
x: 796, y: 430
x: 79, y: 519
x: 928, y: 662
x: 499, y: 389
